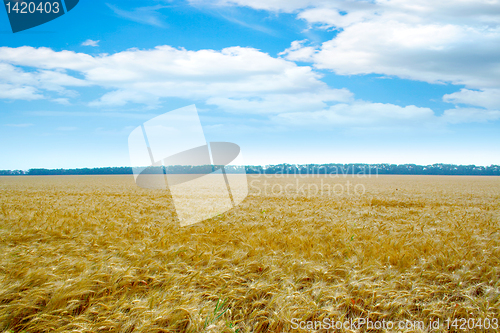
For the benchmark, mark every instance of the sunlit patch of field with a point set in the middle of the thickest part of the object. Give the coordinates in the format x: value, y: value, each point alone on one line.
x: 98, y: 254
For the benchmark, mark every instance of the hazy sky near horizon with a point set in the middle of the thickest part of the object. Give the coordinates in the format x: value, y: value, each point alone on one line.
x: 290, y: 81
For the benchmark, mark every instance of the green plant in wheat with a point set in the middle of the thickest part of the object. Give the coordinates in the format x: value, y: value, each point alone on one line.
x: 219, y: 310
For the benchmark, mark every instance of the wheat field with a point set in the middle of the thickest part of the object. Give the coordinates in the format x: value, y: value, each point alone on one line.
x: 98, y: 254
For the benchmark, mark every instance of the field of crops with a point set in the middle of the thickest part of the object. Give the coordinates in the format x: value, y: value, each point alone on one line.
x: 98, y: 254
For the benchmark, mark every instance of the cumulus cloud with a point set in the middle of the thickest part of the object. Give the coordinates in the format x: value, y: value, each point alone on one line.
x: 330, y: 12
x: 299, y: 52
x: 63, y: 101
x: 9, y: 91
x: 342, y: 14
x: 16, y: 83
x: 383, y: 116
x: 467, y: 115
x: 449, y: 41
x: 146, y: 76
x: 487, y: 98
x: 282, y: 103
x: 445, y: 41
x: 235, y: 80
x: 90, y: 42
x: 360, y: 114
x: 431, y: 53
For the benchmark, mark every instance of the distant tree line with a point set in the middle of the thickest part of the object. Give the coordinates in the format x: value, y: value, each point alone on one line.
x: 174, y: 169
x: 286, y: 169
x: 374, y: 169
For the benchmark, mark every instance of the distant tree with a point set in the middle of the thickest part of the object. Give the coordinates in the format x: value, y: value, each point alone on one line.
x: 290, y: 169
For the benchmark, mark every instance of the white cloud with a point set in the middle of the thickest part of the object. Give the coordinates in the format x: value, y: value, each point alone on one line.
x: 145, y: 76
x: 18, y: 84
x: 287, y: 6
x: 342, y: 14
x: 487, y: 98
x: 9, y: 91
x: 329, y: 12
x: 451, y: 41
x: 379, y: 116
x: 282, y: 103
x: 448, y: 41
x: 122, y: 115
x: 361, y: 114
x: 90, y: 42
x: 145, y: 15
x: 431, y: 53
x: 46, y: 58
x: 298, y: 52
x: 253, y: 26
x: 468, y: 115
x: 235, y: 79
x: 62, y: 101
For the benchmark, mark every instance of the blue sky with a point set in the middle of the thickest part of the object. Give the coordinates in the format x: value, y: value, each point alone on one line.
x: 383, y: 81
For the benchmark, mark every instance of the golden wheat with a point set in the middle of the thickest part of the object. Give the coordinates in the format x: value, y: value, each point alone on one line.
x: 98, y: 254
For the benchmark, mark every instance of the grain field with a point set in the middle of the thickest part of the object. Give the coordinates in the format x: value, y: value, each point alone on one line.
x: 98, y: 254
